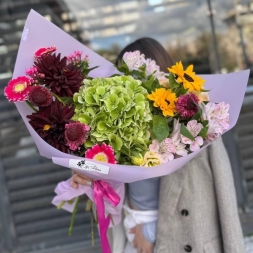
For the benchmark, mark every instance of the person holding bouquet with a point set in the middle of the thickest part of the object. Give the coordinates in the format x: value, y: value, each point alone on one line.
x: 193, y: 209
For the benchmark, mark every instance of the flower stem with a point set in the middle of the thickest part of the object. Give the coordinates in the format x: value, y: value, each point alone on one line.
x: 61, y: 205
x: 73, y: 216
x: 57, y: 97
x: 31, y: 106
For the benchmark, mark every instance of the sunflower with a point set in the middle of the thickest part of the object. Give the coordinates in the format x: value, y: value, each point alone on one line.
x: 187, y: 77
x: 165, y: 100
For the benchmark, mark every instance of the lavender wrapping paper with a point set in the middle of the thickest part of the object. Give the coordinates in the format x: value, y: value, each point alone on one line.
x: 223, y: 87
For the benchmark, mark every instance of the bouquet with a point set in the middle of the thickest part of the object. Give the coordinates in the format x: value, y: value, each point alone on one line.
x: 116, y: 125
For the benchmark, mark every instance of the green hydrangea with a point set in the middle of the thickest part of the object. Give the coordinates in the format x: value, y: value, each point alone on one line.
x: 118, y: 113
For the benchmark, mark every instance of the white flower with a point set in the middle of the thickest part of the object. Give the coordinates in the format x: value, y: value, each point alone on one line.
x: 134, y: 60
x: 218, y: 118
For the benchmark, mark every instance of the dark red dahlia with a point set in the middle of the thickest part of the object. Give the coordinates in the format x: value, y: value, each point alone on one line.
x: 40, y: 96
x: 49, y: 122
x: 187, y: 105
x: 61, y: 78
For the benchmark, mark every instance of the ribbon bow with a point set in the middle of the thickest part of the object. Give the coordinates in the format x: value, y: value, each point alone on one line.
x: 103, y: 190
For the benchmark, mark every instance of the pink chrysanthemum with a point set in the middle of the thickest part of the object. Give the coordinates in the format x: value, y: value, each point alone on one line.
x: 76, y: 134
x: 18, y: 89
x: 33, y: 73
x: 187, y: 105
x: 103, y: 153
x: 44, y: 50
x: 40, y: 96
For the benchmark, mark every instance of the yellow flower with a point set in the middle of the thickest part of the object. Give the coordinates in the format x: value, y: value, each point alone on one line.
x: 165, y: 100
x: 187, y: 77
x: 202, y: 96
x: 151, y: 159
x: 137, y: 160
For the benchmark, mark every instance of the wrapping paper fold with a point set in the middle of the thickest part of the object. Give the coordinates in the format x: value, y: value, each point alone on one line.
x: 227, y: 87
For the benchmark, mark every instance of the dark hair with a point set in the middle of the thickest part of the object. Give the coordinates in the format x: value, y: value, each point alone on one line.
x: 151, y: 49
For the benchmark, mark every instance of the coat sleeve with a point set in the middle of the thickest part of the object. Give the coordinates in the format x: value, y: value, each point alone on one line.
x: 226, y: 198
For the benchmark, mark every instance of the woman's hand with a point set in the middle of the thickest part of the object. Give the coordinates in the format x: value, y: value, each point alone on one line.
x: 80, y: 179
x: 140, y: 242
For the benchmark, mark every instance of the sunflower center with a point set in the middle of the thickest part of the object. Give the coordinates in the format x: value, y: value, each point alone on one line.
x: 46, y: 127
x: 19, y: 87
x: 101, y: 157
x: 188, y: 78
x: 168, y: 102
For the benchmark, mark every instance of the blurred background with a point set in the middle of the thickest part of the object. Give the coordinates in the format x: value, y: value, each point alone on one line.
x: 215, y: 35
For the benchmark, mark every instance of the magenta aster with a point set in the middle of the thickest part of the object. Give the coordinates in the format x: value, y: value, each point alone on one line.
x: 103, y: 153
x: 76, y: 134
x: 40, y: 96
x: 187, y: 105
x: 44, y: 50
x: 49, y: 122
x: 18, y: 89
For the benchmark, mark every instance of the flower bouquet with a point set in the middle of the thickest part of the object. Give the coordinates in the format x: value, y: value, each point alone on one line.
x: 116, y: 125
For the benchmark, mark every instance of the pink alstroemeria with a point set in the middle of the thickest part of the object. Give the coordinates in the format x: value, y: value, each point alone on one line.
x: 134, y: 60
x: 176, y: 138
x: 218, y: 118
x: 166, y: 149
x: 194, y: 128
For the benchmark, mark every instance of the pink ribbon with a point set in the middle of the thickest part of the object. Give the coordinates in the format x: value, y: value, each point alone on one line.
x: 103, y: 190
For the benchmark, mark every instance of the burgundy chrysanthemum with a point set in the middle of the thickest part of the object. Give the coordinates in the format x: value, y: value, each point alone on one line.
x: 76, y: 134
x: 187, y: 105
x: 49, y: 122
x: 60, y: 77
x: 40, y: 96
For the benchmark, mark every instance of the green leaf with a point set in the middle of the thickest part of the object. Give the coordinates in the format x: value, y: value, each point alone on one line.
x: 203, y: 132
x: 87, y: 71
x: 173, y: 83
x: 181, y: 91
x: 196, y: 116
x: 205, y: 123
x: 160, y: 127
x: 67, y: 100
x: 185, y: 132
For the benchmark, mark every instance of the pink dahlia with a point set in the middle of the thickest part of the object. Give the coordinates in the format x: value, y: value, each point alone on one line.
x: 76, y: 134
x: 40, y: 96
x: 44, y: 50
x: 103, y: 153
x: 187, y: 105
x: 18, y: 89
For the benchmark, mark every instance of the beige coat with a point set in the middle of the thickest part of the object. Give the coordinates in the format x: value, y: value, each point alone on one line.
x: 197, y: 207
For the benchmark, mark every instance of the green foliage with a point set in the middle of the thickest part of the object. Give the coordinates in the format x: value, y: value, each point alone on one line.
x: 160, y: 128
x: 185, y: 132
